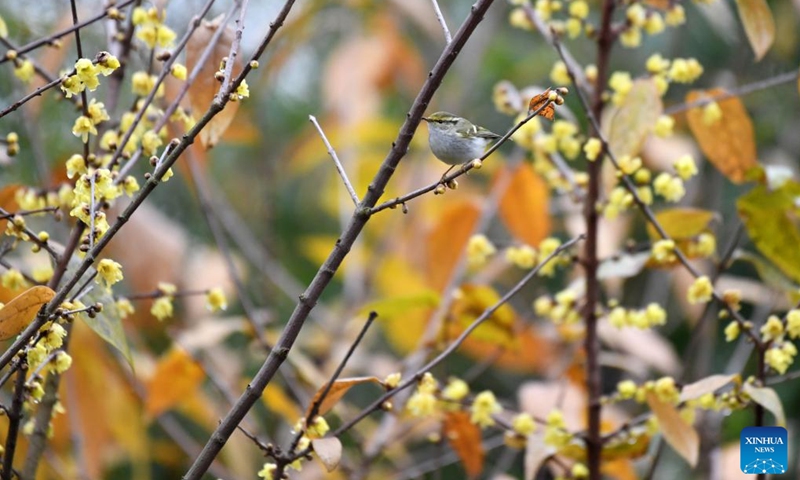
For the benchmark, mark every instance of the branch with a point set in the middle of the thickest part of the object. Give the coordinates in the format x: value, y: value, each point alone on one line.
x: 357, y: 222
x: 448, y: 38
x: 332, y: 153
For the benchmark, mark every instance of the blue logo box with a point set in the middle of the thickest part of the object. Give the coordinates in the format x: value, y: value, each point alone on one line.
x: 763, y: 450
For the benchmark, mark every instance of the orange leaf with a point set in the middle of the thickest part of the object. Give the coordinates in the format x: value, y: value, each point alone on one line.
x: 532, y: 352
x: 524, y: 207
x: 7, y: 201
x: 758, y: 25
x: 729, y: 143
x: 447, y: 239
x: 465, y: 439
x: 205, y: 86
x: 680, y: 435
x: 475, y: 299
x: 176, y: 378
x: 337, y: 391
x: 19, y: 312
x: 549, y: 110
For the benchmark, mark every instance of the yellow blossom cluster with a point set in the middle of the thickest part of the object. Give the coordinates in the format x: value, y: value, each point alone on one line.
x: 700, y: 291
x: 561, y: 309
x: 556, y: 434
x: 99, y: 182
x: 651, y: 316
x: 423, y: 402
x: 87, y: 73
x: 523, y: 256
x: 479, y: 249
x: 150, y: 27
x: 484, y: 406
x: 162, y: 307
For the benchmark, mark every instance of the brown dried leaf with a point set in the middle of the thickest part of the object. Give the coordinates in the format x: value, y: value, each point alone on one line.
x: 465, y: 439
x: 680, y: 435
x: 548, y: 112
x: 729, y: 143
x: 630, y: 123
x: 758, y: 25
x: 205, y: 86
x: 329, y: 451
x: 525, y: 207
x: 19, y: 312
x: 176, y: 378
x: 337, y: 391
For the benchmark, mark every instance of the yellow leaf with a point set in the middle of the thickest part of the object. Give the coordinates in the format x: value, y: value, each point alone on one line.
x: 277, y: 401
x: 19, y: 312
x: 337, y: 391
x: 758, y: 25
x: 393, y: 307
x: 629, y: 124
x: 729, y: 143
x: 767, y: 398
x: 470, y: 304
x: 465, y: 439
x: 682, y: 223
x: 446, y: 241
x: 176, y: 378
x: 329, y: 451
x: 769, y: 217
x: 709, y: 384
x: 678, y: 433
x: 524, y: 207
x: 205, y: 86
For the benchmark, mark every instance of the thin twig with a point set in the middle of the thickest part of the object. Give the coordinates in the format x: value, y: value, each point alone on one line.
x: 62, y: 33
x: 357, y: 222
x: 14, y: 419
x: 339, y: 166
x: 735, y: 92
x: 313, y: 411
x: 442, y: 21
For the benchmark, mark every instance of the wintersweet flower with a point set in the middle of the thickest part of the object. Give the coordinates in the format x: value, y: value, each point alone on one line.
x: 483, y: 407
x: 772, y: 329
x: 559, y: 74
x: 592, y: 148
x: 215, y: 299
x: 700, y: 291
x: 685, y: 167
x: 24, y: 71
x: 162, y: 308
x: 83, y: 127
x: 109, y: 271
x: 793, y: 323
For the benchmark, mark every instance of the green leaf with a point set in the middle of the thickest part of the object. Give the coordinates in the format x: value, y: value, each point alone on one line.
x: 769, y: 217
x: 767, y: 398
x: 108, y: 323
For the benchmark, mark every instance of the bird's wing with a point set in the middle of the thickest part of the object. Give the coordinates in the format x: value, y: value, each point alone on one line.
x: 480, y: 132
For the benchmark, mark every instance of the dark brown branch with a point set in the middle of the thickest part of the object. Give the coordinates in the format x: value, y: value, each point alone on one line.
x: 357, y: 222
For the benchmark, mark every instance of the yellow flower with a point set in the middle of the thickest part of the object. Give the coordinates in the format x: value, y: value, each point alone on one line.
x: 483, y: 407
x: 523, y: 424
x: 706, y: 245
x: 579, y: 471
x: 663, y: 251
x: 87, y: 73
x: 664, y: 126
x: 666, y: 390
x: 669, y: 187
x: 712, y: 113
x: 656, y: 315
x: 591, y: 72
x: 83, y: 127
x: 636, y: 15
x: 479, y: 249
x: 772, y: 329
x: 76, y: 165
x: 107, y: 63
x: 153, y: 35
x: 629, y: 165
x: 621, y: 84
x: 592, y: 148
x: 142, y: 84
x: 178, y: 71
x: 24, y: 70
x: 150, y: 142
x: 124, y: 307
x: 793, y: 323
x: 685, y: 70
x: 318, y: 428
x: 12, y: 279
x: 685, y: 167
x: 700, y: 291
x: 392, y: 380
x: 97, y: 111
x: 779, y: 359
x: 162, y: 308
x: 267, y: 471
x: 242, y: 91
x: 421, y: 404
x: 558, y: 74
x: 631, y: 37
x: 675, y: 16
x: 42, y: 274
x: 167, y: 175
x: 654, y: 24
x: 109, y: 271
x: 627, y: 389
x: 574, y: 27
x: 656, y: 63
x: 61, y: 362
x: 215, y: 300
x: 72, y: 86
x: 455, y: 390
x: 546, y: 248
x: 519, y: 19
x: 523, y: 257
x: 732, y: 331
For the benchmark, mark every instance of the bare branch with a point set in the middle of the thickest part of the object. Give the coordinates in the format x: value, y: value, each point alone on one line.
x: 442, y: 21
x: 339, y: 166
